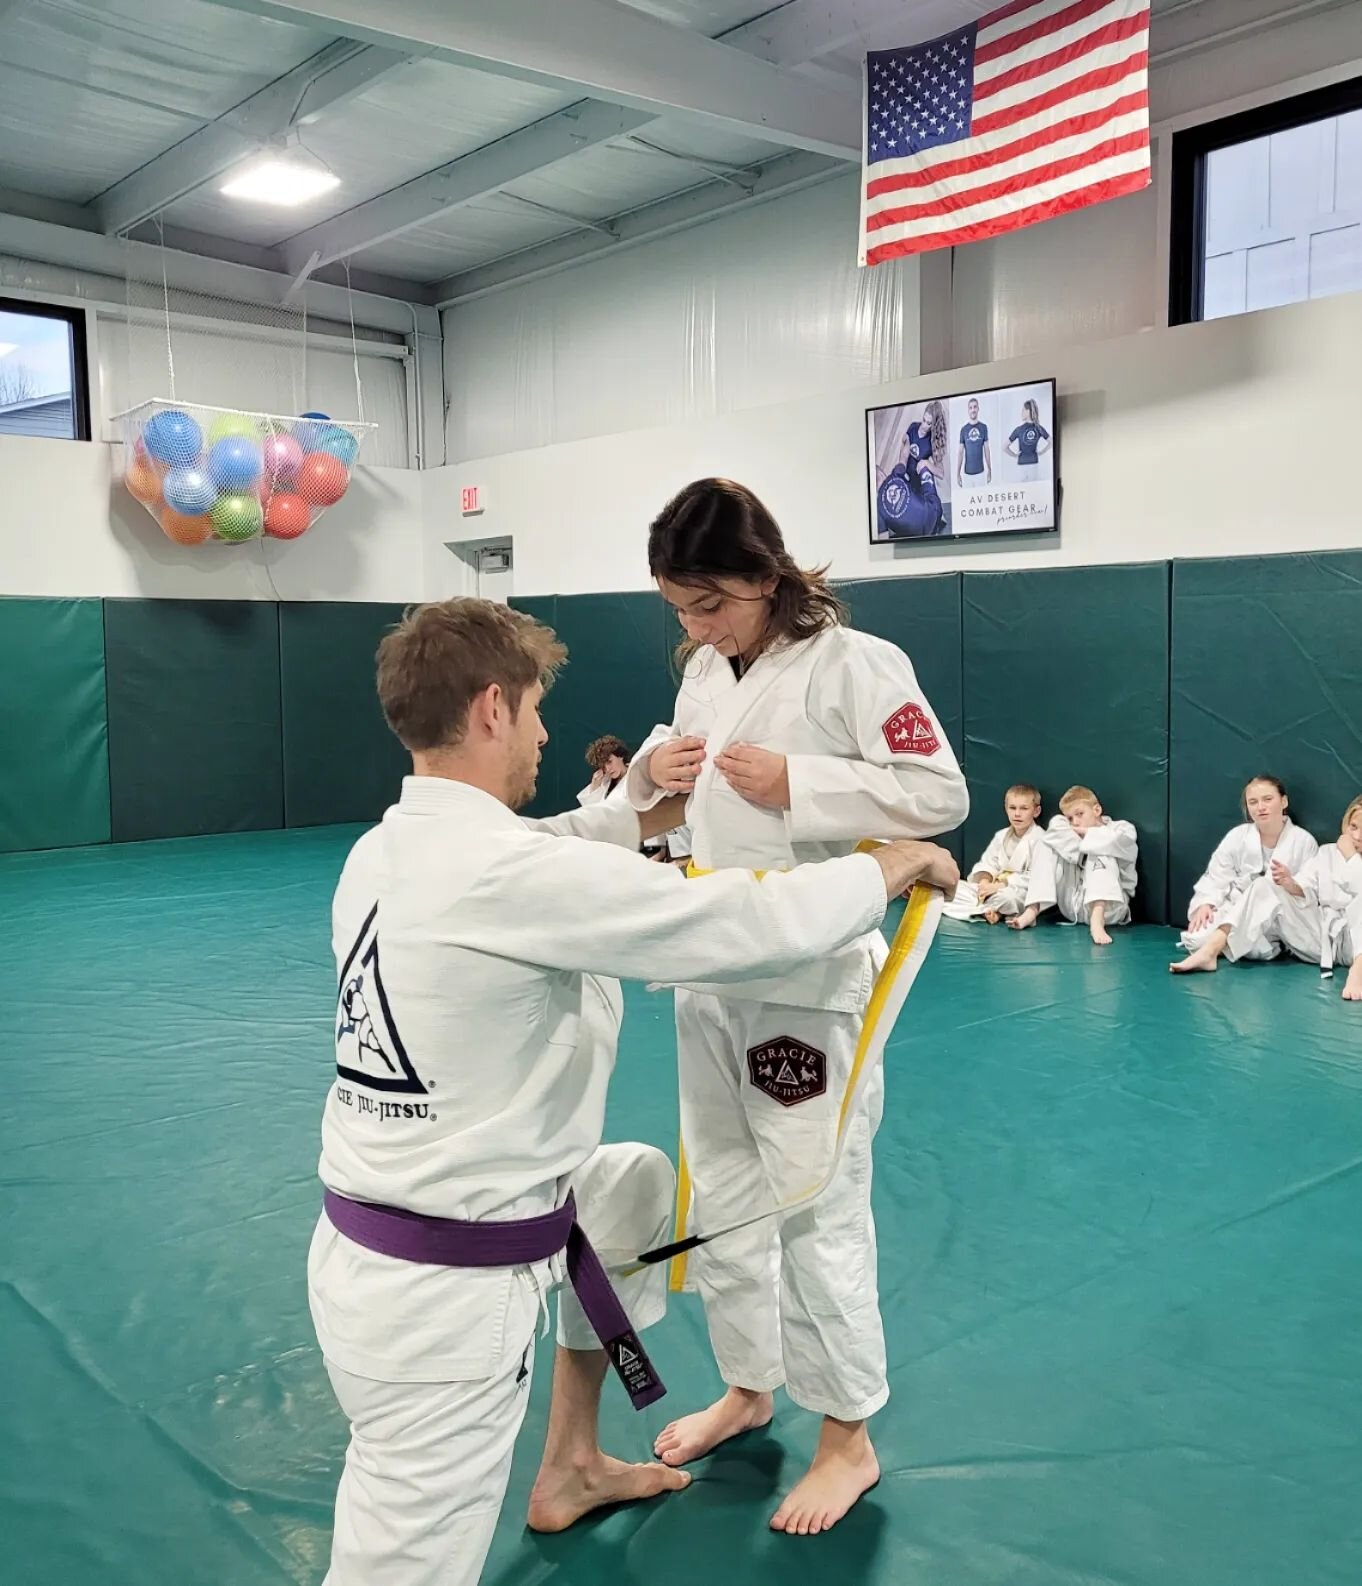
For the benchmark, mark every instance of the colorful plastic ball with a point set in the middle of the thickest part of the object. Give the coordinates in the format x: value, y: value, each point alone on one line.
x: 340, y: 443
x: 186, y: 530
x: 322, y: 479
x: 283, y: 454
x: 189, y: 491
x: 233, y: 424
x: 237, y: 517
x: 307, y: 434
x: 235, y: 463
x: 287, y: 516
x: 172, y: 437
x: 143, y: 482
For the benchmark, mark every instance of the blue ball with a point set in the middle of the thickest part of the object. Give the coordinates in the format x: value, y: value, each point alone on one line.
x: 306, y: 434
x: 172, y: 437
x: 235, y: 463
x: 340, y: 443
x: 189, y: 490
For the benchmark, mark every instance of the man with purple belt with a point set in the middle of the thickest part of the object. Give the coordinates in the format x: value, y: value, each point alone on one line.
x: 477, y: 1015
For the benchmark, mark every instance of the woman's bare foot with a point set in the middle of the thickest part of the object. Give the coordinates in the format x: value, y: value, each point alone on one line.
x: 1026, y: 918
x: 561, y: 1497
x: 1352, y: 987
x: 740, y: 1410
x: 1205, y: 958
x: 843, y: 1470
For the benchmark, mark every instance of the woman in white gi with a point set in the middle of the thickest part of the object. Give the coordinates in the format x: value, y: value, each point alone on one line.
x: 796, y: 738
x: 1269, y: 838
x: 1315, y: 914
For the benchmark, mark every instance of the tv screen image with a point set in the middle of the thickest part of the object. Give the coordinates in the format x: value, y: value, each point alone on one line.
x: 980, y: 462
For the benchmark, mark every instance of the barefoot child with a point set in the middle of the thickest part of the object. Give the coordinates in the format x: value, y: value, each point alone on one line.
x: 1086, y: 865
x: 996, y: 889
x: 1315, y: 915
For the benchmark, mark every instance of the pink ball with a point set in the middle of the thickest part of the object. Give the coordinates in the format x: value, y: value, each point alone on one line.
x: 283, y: 455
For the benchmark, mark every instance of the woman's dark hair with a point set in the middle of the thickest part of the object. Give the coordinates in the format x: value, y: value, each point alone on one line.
x: 716, y: 529
x: 1271, y: 781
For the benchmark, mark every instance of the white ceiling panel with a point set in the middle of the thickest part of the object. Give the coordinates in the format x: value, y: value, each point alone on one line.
x: 472, y: 235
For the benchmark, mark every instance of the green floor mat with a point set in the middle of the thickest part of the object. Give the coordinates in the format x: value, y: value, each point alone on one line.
x: 1118, y: 1220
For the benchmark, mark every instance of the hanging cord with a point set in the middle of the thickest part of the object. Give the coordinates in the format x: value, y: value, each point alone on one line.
x: 165, y: 303
x: 354, y: 345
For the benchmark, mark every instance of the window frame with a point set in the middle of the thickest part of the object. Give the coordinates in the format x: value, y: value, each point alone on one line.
x: 1191, y: 147
x: 80, y: 354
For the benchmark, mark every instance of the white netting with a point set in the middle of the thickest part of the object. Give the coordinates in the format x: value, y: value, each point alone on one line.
x: 207, y: 473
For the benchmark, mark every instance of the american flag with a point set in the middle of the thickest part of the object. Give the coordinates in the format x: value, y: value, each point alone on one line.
x: 1037, y: 109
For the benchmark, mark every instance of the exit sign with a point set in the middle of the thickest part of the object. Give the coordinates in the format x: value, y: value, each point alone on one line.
x: 471, y: 498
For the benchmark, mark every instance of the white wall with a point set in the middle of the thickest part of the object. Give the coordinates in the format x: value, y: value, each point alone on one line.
x: 758, y: 307
x: 70, y: 528
x: 1227, y: 438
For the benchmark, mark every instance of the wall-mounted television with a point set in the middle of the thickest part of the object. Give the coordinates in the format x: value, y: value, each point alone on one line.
x: 954, y: 467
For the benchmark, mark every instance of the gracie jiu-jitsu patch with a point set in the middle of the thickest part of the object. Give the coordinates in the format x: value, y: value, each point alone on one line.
x: 909, y: 731
x: 788, y: 1071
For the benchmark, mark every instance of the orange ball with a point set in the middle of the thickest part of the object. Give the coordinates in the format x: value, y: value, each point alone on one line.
x: 143, y: 482
x: 322, y: 479
x: 287, y: 516
x: 186, y: 530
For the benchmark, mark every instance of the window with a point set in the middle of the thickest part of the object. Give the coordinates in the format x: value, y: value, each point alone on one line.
x: 44, y: 387
x: 1267, y: 206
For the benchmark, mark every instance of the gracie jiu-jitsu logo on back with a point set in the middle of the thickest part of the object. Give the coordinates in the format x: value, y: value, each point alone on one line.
x: 369, y: 1049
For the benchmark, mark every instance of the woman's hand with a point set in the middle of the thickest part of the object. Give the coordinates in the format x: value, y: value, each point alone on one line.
x: 1201, y: 917
x: 673, y: 766
x: 1285, y: 880
x: 760, y: 776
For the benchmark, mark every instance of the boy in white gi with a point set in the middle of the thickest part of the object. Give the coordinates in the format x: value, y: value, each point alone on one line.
x: 996, y: 888
x: 461, y: 1151
x: 796, y: 737
x: 1315, y: 914
x: 1086, y: 865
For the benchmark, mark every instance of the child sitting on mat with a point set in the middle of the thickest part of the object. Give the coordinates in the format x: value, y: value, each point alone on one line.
x: 1086, y: 865
x: 996, y: 889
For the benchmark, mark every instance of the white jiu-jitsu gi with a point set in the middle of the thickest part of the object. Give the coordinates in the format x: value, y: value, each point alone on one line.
x: 1324, y: 927
x: 476, y: 1029
x: 1007, y: 859
x: 1076, y: 871
x: 1239, y: 859
x: 764, y: 1064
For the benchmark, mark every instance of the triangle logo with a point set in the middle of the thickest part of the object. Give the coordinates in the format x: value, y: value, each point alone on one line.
x: 627, y: 1357
x: 369, y: 1049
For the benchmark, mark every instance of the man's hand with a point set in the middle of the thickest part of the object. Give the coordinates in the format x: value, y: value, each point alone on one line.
x: 663, y: 817
x: 760, y: 776
x: 674, y: 765
x: 905, y: 862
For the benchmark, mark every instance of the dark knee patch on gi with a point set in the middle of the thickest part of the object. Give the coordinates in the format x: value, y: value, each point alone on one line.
x: 788, y: 1071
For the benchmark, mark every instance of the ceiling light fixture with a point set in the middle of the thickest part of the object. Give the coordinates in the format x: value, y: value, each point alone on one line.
x: 285, y: 182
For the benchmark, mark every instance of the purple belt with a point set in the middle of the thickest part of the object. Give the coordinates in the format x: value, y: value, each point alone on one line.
x: 442, y: 1242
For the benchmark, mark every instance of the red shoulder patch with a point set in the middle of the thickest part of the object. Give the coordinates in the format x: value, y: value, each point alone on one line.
x: 909, y: 731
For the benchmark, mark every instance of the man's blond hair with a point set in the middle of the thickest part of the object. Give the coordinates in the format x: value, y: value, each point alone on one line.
x: 441, y: 656
x: 1076, y: 796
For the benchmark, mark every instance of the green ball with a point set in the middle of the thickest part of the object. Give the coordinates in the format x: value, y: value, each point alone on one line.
x: 233, y: 424
x: 237, y: 517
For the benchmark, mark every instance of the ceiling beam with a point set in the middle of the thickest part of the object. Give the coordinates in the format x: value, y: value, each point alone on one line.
x: 332, y: 76
x: 484, y: 171
x: 606, y: 50
x: 787, y: 173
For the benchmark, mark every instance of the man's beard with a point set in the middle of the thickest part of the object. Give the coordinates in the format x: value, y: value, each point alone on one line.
x: 522, y: 788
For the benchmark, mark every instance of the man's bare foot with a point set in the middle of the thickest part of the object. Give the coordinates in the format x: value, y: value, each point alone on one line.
x: 740, y: 1410
x: 1027, y: 917
x: 843, y: 1470
x: 992, y: 916
x: 561, y: 1497
x: 1203, y: 959
x: 1352, y: 987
